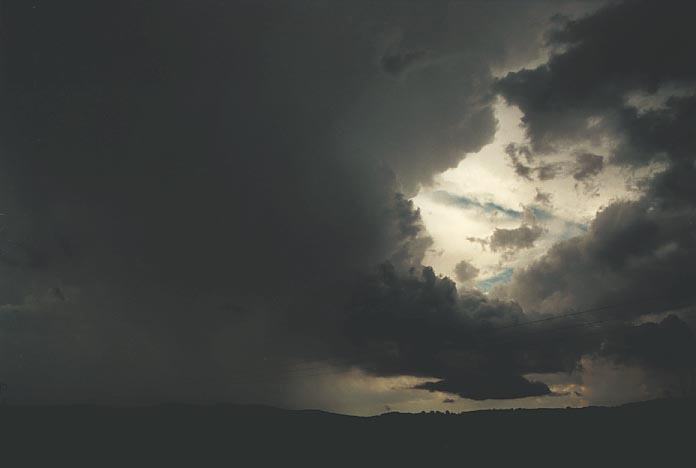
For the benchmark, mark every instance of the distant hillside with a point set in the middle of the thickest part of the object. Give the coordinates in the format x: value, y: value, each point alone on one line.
x: 659, y: 431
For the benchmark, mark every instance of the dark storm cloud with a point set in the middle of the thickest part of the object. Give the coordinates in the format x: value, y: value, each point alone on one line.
x: 665, y: 350
x: 192, y: 157
x: 419, y: 324
x: 667, y: 345
x: 469, y: 344
x: 215, y: 186
x: 580, y: 94
x: 206, y: 183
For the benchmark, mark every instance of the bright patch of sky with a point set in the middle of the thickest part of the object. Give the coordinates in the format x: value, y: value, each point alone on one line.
x: 492, y: 281
x: 355, y: 392
x: 465, y: 205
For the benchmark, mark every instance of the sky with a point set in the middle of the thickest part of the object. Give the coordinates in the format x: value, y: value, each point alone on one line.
x: 353, y: 206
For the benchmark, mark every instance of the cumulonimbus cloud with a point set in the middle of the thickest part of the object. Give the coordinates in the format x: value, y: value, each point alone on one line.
x: 216, y: 187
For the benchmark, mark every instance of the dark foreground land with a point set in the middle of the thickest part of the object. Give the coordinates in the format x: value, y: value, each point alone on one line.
x: 657, y: 433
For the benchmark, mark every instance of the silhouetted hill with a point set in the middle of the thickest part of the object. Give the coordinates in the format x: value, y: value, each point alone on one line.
x: 659, y: 432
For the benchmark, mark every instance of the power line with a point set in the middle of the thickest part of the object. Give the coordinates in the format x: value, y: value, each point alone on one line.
x: 575, y: 313
x: 532, y: 322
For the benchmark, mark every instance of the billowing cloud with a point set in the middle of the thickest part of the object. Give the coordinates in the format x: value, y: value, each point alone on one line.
x: 667, y: 345
x: 579, y: 95
x: 420, y: 325
x: 628, y: 242
x: 636, y: 254
x: 629, y: 251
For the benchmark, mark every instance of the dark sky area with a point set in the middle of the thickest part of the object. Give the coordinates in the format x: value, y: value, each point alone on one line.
x: 213, y: 200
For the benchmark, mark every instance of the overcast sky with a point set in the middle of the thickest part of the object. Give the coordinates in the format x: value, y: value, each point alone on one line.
x: 354, y: 206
